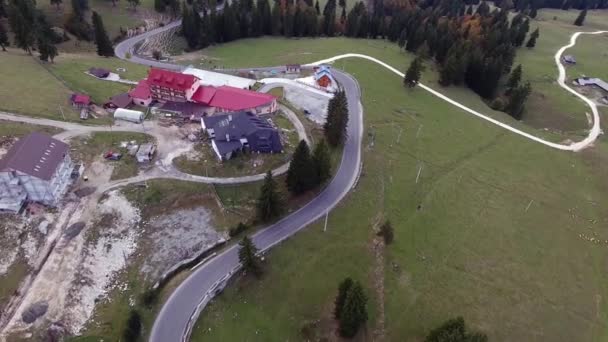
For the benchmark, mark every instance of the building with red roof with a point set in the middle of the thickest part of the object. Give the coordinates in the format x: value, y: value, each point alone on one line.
x: 80, y: 100
x: 167, y: 85
x: 141, y: 94
x: 231, y: 99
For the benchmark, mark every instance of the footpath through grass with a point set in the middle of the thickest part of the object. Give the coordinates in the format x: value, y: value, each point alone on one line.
x: 499, y: 229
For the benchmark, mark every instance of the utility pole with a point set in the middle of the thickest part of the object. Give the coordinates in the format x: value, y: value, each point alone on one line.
x: 326, y: 216
x: 63, y: 115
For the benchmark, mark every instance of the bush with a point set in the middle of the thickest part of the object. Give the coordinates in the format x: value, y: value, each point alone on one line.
x: 157, y: 55
x: 387, y: 232
x: 133, y: 328
x: 241, y: 227
x: 149, y: 297
x: 128, y: 55
x: 498, y: 104
x: 80, y: 28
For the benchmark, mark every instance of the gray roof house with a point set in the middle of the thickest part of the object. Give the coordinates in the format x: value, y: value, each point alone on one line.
x: 585, y: 81
x: 37, y: 168
x: 569, y: 59
x: 231, y: 133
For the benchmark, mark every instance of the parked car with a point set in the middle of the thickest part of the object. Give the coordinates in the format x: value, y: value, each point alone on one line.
x: 112, y: 155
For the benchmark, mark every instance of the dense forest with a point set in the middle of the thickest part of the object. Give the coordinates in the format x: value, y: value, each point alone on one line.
x: 472, y: 44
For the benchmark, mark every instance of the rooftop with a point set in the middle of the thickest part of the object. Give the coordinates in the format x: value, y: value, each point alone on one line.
x: 36, y: 154
x: 142, y: 91
x: 217, y: 79
x: 170, y: 79
x: 230, y: 98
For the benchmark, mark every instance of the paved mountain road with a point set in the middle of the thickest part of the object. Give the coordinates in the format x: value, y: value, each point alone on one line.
x: 178, y: 314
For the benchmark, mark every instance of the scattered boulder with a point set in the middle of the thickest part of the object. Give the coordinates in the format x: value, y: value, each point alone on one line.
x: 86, y: 191
x: 73, y: 230
x: 34, y: 311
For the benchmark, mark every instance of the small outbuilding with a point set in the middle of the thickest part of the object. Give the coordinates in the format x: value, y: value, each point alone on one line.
x: 119, y: 101
x: 99, y: 72
x: 80, y: 101
x: 145, y: 153
x: 141, y: 95
x: 293, y: 68
x: 323, y: 77
x: 129, y: 115
x: 569, y: 59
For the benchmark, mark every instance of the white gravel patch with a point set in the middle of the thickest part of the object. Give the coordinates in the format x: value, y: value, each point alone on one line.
x: 103, y: 258
x: 178, y: 236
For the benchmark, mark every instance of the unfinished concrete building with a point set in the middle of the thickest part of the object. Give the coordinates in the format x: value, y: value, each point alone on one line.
x: 37, y: 168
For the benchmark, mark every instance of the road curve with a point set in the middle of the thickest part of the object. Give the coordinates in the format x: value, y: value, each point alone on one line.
x: 594, y: 132
x: 179, y: 313
x: 181, y: 310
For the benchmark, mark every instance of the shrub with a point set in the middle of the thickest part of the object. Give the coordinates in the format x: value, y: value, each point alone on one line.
x: 133, y: 328
x: 241, y: 227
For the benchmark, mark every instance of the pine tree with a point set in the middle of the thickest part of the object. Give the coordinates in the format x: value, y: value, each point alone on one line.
x: 413, y: 73
x: 387, y: 232
x: 288, y: 22
x: 79, y: 7
x: 337, y: 119
x: 133, y: 327
x: 329, y: 18
x: 514, y: 79
x: 533, y: 12
x: 470, y: 10
x: 581, y: 18
x: 159, y: 5
x: 22, y: 21
x: 483, y: 9
x: 269, y: 204
x: 134, y: 4
x: 354, y: 312
x: 454, y: 330
x: 402, y: 38
x: 3, y: 37
x: 322, y: 162
x: 57, y: 3
x: 46, y: 48
x: 317, y: 8
x: 104, y: 45
x: 248, y: 256
x: 343, y: 290
x: 4, y: 9
x: 517, y: 100
x: 276, y: 19
x: 300, y: 175
x: 533, y: 37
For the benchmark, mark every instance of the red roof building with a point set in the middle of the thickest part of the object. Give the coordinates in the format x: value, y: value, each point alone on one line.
x: 141, y: 94
x: 226, y: 98
x: 80, y: 100
x: 167, y: 85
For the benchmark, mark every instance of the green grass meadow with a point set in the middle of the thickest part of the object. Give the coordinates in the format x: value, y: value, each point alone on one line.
x: 506, y: 232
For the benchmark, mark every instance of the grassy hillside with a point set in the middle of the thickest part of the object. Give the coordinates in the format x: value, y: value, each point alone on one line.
x: 499, y: 229
x: 27, y: 88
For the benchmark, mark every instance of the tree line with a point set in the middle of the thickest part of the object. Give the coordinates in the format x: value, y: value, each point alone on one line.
x: 31, y: 29
x: 203, y: 25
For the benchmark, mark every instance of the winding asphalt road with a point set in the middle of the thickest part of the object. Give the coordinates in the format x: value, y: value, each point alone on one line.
x: 180, y: 311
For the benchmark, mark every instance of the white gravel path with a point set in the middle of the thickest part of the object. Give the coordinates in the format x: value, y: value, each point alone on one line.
x: 594, y: 132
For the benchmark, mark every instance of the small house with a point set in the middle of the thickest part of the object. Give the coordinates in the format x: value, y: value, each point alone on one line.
x: 145, y: 153
x: 80, y: 101
x: 590, y: 81
x: 129, y: 115
x: 119, y: 101
x: 569, y: 59
x: 141, y: 95
x: 323, y: 77
x: 293, y: 68
x: 99, y: 72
